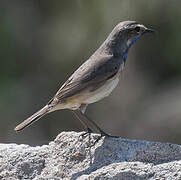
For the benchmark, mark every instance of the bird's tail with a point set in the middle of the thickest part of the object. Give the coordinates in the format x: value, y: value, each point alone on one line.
x: 33, y: 118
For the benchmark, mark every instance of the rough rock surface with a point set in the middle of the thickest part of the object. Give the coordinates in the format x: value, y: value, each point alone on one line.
x: 70, y: 157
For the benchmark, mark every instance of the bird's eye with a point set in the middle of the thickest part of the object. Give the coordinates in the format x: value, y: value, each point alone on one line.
x: 137, y: 29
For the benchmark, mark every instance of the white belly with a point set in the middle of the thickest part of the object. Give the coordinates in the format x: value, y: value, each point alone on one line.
x: 102, y: 92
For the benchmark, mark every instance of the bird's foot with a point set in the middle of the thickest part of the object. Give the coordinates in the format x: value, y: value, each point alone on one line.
x: 103, y: 134
x: 87, y: 133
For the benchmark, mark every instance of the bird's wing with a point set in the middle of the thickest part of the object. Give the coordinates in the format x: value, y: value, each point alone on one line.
x: 89, y: 76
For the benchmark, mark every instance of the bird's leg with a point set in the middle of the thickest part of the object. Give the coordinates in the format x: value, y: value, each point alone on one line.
x: 83, y: 109
x: 89, y: 130
x: 103, y: 133
x: 84, y: 118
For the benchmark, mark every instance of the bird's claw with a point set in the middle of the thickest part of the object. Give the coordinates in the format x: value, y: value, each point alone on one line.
x: 103, y: 134
x: 88, y: 132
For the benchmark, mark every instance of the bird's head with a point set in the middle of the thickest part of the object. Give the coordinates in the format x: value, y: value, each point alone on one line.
x: 124, y: 35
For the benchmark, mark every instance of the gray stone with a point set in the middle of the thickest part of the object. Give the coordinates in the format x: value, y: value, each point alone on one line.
x: 69, y: 156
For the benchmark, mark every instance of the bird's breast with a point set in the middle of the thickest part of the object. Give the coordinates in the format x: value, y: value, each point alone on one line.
x: 102, y: 92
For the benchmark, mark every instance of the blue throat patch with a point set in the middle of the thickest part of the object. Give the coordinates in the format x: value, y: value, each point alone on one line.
x: 125, y: 55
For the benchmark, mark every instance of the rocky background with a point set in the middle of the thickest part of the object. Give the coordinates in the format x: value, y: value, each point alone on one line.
x: 69, y: 156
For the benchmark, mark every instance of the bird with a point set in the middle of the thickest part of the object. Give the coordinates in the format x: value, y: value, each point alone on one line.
x: 95, y: 79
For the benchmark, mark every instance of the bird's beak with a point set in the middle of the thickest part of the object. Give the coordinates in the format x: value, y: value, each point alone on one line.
x: 149, y: 31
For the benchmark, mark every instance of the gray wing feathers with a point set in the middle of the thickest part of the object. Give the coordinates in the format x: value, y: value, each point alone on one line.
x: 92, y: 74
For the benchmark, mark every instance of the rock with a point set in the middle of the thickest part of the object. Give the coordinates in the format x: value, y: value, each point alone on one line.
x: 70, y: 157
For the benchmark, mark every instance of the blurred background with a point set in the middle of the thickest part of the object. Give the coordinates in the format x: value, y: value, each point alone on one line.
x: 42, y: 42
